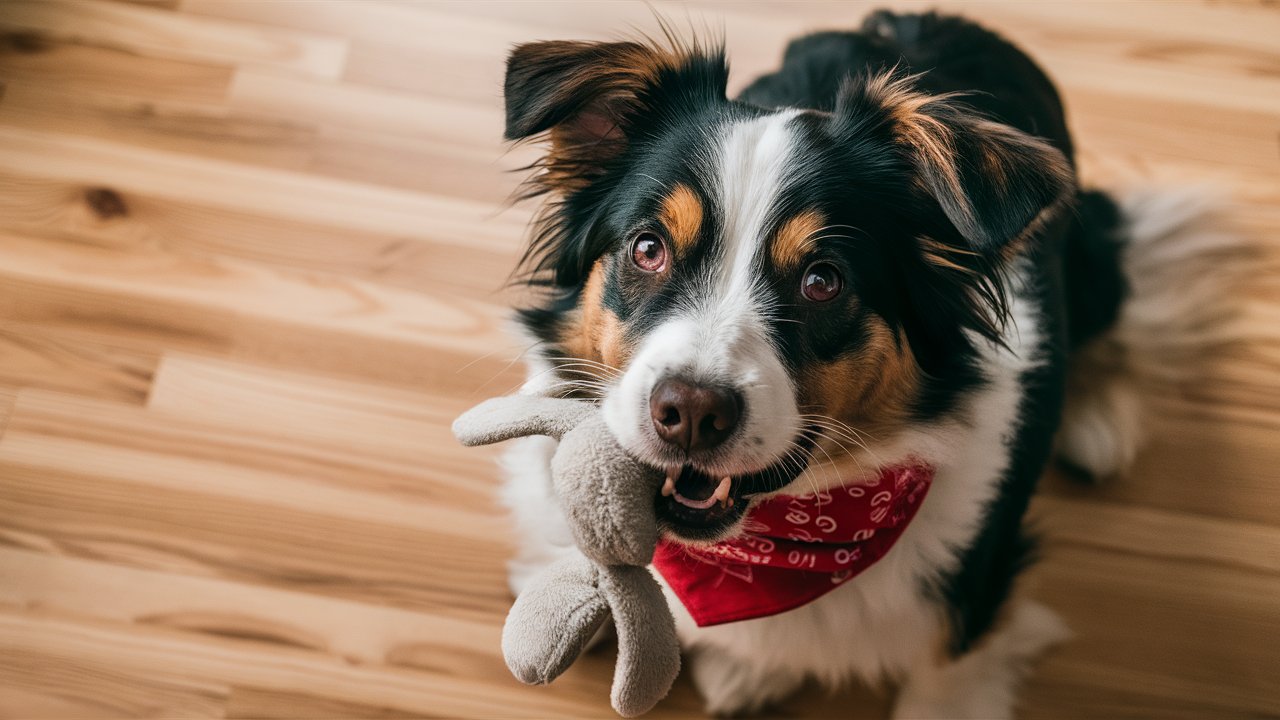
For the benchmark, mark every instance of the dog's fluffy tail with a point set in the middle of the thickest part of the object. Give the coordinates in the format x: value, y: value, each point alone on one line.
x: 1174, y: 302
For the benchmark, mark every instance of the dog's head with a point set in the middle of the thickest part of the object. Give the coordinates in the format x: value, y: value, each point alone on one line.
x: 744, y: 287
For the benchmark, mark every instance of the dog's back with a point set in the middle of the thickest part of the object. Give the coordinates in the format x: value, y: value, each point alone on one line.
x: 952, y: 54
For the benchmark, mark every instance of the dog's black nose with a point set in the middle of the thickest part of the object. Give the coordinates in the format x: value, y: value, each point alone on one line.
x: 693, y: 417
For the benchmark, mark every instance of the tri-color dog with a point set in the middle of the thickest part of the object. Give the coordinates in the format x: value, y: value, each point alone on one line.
x: 875, y: 260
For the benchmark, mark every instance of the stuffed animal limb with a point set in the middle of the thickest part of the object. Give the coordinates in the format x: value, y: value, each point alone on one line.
x: 607, y: 498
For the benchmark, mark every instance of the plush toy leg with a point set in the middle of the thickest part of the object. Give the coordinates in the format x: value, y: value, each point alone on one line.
x: 648, y: 649
x: 552, y: 621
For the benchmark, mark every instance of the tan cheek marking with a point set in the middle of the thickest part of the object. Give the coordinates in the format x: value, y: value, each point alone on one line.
x: 578, y: 336
x: 595, y: 333
x: 682, y: 215
x: 795, y: 239
x: 872, y: 390
x: 614, y: 348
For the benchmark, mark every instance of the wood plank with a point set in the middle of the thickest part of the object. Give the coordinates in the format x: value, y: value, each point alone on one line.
x: 199, y: 128
x: 89, y: 514
x: 359, y: 307
x: 138, y: 650
x: 368, y: 108
x: 71, y: 211
x: 218, y: 391
x: 283, y: 141
x: 1135, y: 530
x: 68, y: 67
x: 155, y: 33
x: 40, y: 684
x: 1119, y: 607
x: 252, y: 256
x: 1110, y: 122
x: 1221, y: 469
x: 363, y: 634
x: 150, y: 300
x: 392, y: 24
x: 29, y: 359
x: 275, y: 193
x: 360, y: 465
x: 391, y: 430
x: 347, y: 448
x: 262, y: 703
x: 38, y: 437
x: 377, y: 63
x: 165, y: 4
x: 7, y: 398
x: 440, y: 168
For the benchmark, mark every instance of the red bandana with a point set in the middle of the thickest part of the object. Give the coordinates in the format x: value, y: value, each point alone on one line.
x: 795, y: 549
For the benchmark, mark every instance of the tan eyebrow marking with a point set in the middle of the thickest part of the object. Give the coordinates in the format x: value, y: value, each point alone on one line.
x: 795, y: 238
x: 682, y: 215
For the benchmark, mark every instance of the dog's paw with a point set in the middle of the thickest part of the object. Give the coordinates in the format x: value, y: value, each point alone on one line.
x: 733, y: 688
x: 984, y: 684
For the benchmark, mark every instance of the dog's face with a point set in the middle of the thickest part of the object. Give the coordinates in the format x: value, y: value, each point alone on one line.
x: 746, y: 287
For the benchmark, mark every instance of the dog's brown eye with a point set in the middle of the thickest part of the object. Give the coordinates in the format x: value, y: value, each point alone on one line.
x: 649, y: 252
x: 821, y: 282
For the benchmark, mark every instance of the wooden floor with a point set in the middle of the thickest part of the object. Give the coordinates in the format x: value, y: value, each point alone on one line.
x: 251, y: 258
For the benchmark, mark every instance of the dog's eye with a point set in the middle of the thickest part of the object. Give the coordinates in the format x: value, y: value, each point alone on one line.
x: 821, y: 282
x: 649, y: 252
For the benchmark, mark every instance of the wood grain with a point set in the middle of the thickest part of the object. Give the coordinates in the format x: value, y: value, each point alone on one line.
x: 252, y: 263
x: 173, y: 35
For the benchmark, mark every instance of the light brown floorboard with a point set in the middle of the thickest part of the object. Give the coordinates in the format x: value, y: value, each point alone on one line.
x: 252, y: 257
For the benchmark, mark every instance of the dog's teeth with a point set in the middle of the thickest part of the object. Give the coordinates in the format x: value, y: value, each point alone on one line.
x: 668, y: 487
x: 722, y: 490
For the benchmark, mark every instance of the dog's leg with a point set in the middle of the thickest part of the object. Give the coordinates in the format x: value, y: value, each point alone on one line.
x: 731, y: 687
x: 983, y: 683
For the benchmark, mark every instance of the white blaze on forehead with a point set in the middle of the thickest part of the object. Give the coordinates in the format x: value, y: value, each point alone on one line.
x: 753, y: 163
x: 721, y: 333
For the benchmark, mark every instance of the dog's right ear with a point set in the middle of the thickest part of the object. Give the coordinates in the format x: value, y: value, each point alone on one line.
x: 583, y: 95
x: 582, y: 87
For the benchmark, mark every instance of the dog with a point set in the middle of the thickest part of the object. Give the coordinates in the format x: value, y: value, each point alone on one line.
x: 878, y: 256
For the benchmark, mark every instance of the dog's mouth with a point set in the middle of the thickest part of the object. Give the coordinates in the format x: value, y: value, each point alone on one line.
x: 695, y: 505
x: 695, y: 483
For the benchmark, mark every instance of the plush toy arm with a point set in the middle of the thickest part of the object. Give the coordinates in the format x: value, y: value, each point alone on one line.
x: 648, y: 649
x: 516, y: 416
x: 553, y: 619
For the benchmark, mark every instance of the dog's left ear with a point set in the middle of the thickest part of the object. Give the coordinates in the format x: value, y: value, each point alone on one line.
x: 995, y: 184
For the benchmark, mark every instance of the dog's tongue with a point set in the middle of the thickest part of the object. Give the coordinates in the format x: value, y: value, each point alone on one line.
x: 719, y: 495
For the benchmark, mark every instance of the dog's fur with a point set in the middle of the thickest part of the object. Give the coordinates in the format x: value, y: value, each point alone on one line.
x: 928, y: 161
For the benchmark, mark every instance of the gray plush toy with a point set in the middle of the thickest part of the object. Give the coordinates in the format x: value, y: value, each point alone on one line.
x: 608, y: 499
